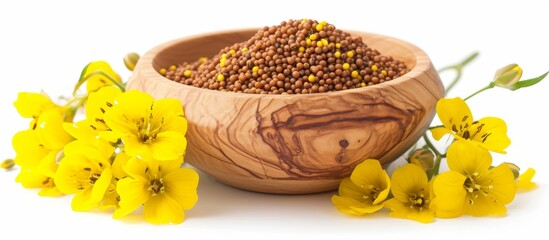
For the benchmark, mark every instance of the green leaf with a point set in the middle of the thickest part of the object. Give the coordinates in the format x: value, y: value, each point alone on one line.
x: 529, y: 82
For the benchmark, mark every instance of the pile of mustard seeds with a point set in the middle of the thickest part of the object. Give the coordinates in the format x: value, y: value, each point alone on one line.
x: 295, y: 57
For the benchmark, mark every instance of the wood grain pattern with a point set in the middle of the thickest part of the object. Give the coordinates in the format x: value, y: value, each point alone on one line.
x: 294, y: 144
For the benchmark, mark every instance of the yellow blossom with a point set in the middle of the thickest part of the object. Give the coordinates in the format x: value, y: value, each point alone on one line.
x: 471, y: 187
x: 412, y: 195
x: 38, y: 150
x: 32, y: 178
x: 163, y: 188
x: 148, y: 128
x: 94, y: 124
x: 85, y: 171
x: 99, y: 74
x: 489, y: 133
x: 32, y: 105
x: 365, y: 191
x: 524, y: 182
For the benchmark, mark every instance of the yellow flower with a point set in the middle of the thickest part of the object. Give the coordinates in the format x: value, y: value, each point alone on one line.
x: 94, y: 124
x: 32, y: 105
x: 32, y: 178
x: 149, y: 128
x: 95, y: 79
x: 38, y: 164
x: 524, y: 182
x: 489, y: 133
x: 471, y: 187
x: 37, y: 151
x: 86, y: 171
x: 412, y: 196
x: 163, y: 187
x: 364, y: 191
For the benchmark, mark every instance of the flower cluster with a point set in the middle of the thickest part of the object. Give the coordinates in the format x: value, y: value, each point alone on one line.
x: 126, y: 152
x: 472, y: 185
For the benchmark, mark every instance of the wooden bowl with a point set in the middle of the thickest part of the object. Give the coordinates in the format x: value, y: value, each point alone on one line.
x: 294, y: 144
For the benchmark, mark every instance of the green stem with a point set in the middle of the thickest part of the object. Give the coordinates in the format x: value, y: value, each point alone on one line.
x: 433, y: 127
x: 491, y: 85
x: 438, y: 157
x: 458, y: 68
x: 430, y: 144
x: 455, y: 81
x: 118, y: 84
x: 436, y: 168
x: 99, y: 72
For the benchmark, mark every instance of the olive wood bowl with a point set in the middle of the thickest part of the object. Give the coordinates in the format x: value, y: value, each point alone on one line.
x: 294, y: 144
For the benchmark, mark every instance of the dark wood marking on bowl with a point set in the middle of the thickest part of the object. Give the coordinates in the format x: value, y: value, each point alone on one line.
x: 305, y: 136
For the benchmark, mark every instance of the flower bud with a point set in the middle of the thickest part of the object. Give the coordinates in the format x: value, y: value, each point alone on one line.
x: 7, y: 164
x: 514, y: 168
x: 508, y: 76
x: 422, y: 157
x: 130, y: 60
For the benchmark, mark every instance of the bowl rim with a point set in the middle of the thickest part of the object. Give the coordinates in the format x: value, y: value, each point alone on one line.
x: 145, y: 66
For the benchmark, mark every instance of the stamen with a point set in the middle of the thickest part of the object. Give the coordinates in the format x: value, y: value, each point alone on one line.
x: 156, y: 186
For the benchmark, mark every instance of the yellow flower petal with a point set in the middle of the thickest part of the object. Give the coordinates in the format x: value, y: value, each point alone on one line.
x: 101, y: 101
x: 485, y: 206
x: 401, y: 210
x: 170, y: 107
x: 439, y: 132
x: 503, y: 183
x: 366, y: 196
x: 31, y: 105
x: 29, y: 151
x: 50, y: 192
x: 48, y: 165
x: 493, y: 134
x: 137, y: 169
x: 454, y: 113
x: 169, y: 146
x: 118, y: 164
x: 30, y: 178
x: 370, y: 172
x: 181, y: 185
x: 524, y: 182
x: 90, y: 197
x: 133, y: 193
x: 348, y: 189
x: 408, y: 179
x: 163, y: 209
x: 130, y: 108
x: 50, y: 130
x: 351, y: 206
x: 467, y: 158
x: 450, y: 194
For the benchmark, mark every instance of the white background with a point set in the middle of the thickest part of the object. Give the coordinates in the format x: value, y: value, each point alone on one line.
x: 45, y: 45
